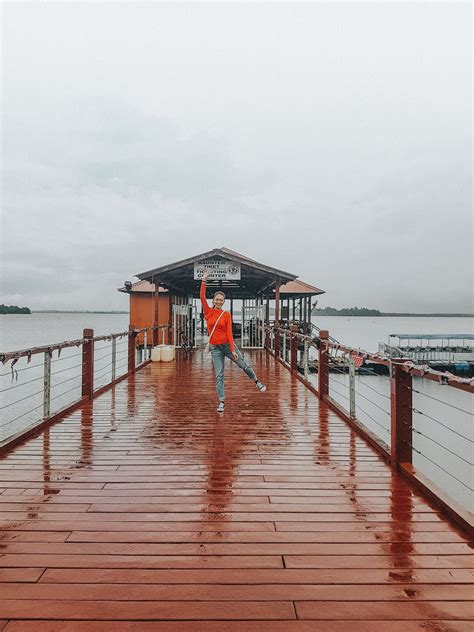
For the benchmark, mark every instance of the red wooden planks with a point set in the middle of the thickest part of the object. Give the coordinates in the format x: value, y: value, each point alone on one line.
x: 148, y: 511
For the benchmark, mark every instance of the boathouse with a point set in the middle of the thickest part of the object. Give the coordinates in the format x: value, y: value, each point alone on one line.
x: 168, y: 295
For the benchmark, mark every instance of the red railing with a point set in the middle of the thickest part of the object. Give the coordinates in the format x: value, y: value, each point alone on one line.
x: 397, y: 445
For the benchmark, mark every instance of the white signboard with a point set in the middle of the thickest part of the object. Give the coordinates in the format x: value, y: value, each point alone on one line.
x: 219, y: 270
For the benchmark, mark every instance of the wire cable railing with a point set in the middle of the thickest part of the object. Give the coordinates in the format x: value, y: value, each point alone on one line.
x: 410, y: 423
x: 66, y: 383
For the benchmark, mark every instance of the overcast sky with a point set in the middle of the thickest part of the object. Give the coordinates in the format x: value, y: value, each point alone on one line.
x: 332, y: 140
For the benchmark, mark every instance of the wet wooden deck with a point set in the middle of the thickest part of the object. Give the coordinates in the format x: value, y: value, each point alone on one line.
x: 149, y: 511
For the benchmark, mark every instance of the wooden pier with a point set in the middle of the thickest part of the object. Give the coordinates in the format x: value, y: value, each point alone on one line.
x: 146, y: 510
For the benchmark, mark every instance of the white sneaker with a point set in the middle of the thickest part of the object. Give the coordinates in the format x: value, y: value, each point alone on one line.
x: 261, y: 387
x: 220, y: 408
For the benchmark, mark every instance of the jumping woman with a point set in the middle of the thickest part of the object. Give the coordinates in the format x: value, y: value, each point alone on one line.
x: 221, y: 342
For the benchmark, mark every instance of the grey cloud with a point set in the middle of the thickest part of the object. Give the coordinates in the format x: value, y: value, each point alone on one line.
x: 311, y: 143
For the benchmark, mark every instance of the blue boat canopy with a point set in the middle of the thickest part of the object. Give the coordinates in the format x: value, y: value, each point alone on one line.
x: 433, y: 336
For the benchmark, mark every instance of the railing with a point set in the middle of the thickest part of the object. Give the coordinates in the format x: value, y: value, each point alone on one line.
x: 419, y: 419
x: 37, y: 388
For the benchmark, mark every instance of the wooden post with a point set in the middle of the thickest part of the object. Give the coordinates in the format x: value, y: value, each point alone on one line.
x: 114, y: 356
x: 156, y: 305
x: 323, y: 365
x: 170, y: 318
x: 88, y: 364
x: 305, y: 359
x: 267, y: 322
x: 401, y: 401
x: 132, y: 338
x: 277, y: 318
x: 293, y: 348
x: 352, y: 401
x: 47, y: 385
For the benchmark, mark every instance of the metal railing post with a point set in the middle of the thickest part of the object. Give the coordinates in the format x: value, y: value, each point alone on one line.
x: 305, y: 358
x: 283, y: 355
x: 323, y: 364
x: 352, y: 401
x: 293, y: 348
x: 401, y: 402
x: 276, y: 341
x: 114, y: 358
x: 47, y: 385
x: 132, y: 338
x: 88, y: 364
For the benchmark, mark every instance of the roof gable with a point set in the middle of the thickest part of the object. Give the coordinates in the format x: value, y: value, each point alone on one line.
x: 299, y: 287
x: 182, y: 277
x: 223, y: 252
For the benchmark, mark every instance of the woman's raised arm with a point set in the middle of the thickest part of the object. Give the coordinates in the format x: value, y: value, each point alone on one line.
x: 202, y: 293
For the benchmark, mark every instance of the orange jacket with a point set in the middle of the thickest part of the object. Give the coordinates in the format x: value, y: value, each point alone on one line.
x: 223, y: 331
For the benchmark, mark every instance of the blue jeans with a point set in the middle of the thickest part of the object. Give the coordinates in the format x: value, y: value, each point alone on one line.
x: 218, y: 354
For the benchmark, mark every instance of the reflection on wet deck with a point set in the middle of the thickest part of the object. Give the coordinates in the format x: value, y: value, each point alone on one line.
x: 149, y: 511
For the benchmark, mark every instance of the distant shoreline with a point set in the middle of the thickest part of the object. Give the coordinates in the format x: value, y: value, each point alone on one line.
x: 13, y: 309
x: 360, y: 313
x: 380, y: 315
x: 74, y: 311
x: 400, y: 315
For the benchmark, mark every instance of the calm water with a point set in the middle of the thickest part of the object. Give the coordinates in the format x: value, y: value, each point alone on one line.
x: 443, y: 421
x: 367, y: 332
x: 20, y: 331
x: 21, y: 397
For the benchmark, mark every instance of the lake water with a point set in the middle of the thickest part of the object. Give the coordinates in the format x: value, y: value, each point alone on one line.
x: 442, y: 420
x: 21, y: 331
x: 367, y: 332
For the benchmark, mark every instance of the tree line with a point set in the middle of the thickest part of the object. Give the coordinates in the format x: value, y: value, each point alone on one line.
x: 14, y: 309
x: 348, y: 311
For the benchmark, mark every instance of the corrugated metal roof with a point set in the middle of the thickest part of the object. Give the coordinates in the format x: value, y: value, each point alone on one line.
x: 299, y: 287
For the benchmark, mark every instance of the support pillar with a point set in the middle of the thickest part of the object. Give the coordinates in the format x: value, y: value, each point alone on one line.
x: 170, y: 318
x: 277, y: 318
x: 267, y: 322
x: 156, y: 311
